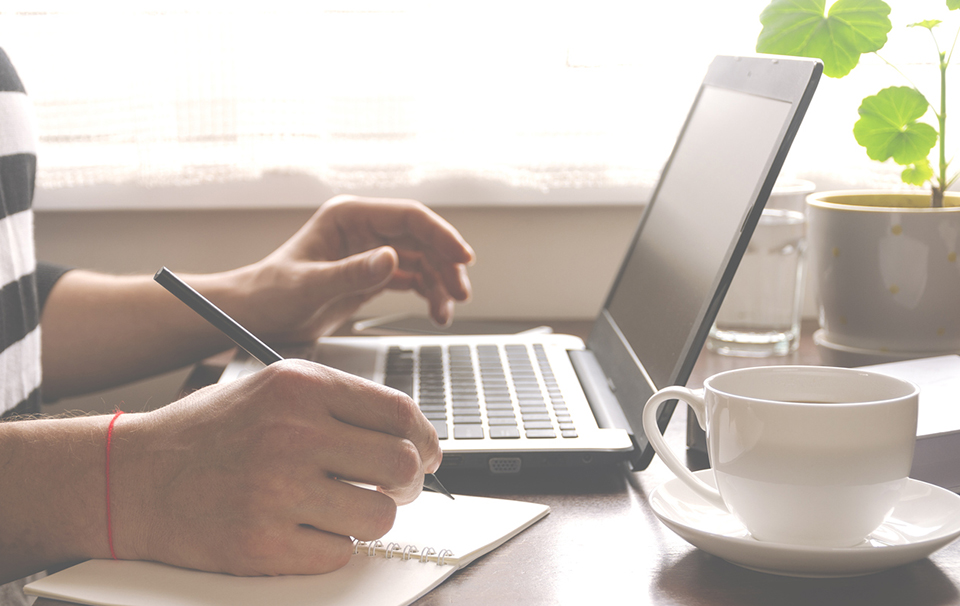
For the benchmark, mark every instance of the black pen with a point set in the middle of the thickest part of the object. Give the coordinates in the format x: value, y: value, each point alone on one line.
x: 242, y: 337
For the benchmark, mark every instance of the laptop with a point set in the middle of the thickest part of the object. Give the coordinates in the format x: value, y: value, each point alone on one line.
x: 508, y: 403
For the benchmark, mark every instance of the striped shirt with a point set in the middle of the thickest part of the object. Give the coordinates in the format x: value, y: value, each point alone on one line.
x: 24, y: 285
x: 19, y: 304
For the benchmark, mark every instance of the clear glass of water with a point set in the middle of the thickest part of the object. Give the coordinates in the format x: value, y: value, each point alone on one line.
x: 760, y: 315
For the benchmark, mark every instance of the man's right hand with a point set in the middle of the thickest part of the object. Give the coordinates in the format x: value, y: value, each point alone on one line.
x: 252, y: 477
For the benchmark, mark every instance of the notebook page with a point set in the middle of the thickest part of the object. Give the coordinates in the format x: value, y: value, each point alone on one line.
x: 375, y: 581
x: 469, y: 526
x: 939, y: 381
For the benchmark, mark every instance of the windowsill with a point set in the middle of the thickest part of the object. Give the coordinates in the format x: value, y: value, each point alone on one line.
x: 296, y: 191
x: 277, y: 191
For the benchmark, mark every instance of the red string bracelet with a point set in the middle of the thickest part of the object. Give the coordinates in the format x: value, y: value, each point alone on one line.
x: 109, y: 519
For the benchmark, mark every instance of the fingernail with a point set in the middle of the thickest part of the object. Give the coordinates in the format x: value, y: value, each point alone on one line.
x: 447, y: 312
x: 465, y: 283
x: 380, y: 263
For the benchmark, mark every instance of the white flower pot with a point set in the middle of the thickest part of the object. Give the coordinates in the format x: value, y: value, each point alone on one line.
x: 888, y: 275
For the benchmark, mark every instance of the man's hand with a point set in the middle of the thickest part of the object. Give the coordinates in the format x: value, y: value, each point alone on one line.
x: 252, y: 477
x: 350, y: 250
x: 100, y: 331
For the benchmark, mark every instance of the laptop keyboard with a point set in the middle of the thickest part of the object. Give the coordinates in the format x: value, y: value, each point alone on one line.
x: 473, y: 392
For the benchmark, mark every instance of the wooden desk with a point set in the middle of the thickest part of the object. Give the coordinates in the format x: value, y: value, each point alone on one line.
x: 602, y: 542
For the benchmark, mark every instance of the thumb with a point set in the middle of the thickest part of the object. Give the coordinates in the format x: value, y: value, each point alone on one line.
x: 362, y: 272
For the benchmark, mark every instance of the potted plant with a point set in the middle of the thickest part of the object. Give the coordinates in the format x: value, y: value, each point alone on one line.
x: 885, y: 261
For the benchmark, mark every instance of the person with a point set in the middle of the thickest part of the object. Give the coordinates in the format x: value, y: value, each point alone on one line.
x: 250, y: 478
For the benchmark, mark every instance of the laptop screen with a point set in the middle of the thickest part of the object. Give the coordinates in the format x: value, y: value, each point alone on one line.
x: 694, y: 232
x: 703, y: 199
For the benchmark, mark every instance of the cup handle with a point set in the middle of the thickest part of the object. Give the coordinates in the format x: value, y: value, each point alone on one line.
x: 694, y: 399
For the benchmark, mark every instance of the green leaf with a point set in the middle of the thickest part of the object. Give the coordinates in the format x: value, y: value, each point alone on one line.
x: 917, y: 173
x: 888, y: 126
x: 953, y: 4
x: 927, y: 23
x: 801, y: 28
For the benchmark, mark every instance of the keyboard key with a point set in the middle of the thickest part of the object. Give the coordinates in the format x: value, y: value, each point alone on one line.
x: 441, y: 428
x: 400, y: 384
x: 436, y: 416
x: 537, y: 425
x: 500, y: 413
x: 530, y: 396
x: 468, y: 432
x: 538, y: 434
x: 502, y: 421
x: 466, y: 419
x: 498, y: 386
x: 535, y: 417
x: 568, y: 433
x: 499, y: 433
x: 533, y: 408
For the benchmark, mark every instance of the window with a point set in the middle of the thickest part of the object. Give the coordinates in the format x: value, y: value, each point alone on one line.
x: 522, y: 100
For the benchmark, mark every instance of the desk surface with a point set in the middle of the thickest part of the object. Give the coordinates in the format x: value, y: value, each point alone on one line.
x: 601, y: 541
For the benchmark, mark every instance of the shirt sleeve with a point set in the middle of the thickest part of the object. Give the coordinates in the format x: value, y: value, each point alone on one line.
x: 47, y: 276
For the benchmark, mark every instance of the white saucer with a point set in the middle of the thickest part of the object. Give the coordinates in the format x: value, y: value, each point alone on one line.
x: 925, y: 519
x: 834, y: 354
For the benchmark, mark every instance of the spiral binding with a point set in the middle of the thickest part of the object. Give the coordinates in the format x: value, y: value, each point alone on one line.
x: 405, y: 552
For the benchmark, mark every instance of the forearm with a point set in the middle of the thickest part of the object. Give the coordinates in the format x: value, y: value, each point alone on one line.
x: 100, y: 331
x: 52, y: 487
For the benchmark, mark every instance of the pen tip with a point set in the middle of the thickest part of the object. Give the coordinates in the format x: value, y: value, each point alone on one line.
x: 430, y: 482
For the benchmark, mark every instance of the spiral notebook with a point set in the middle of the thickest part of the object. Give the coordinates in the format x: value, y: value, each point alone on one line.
x: 432, y: 538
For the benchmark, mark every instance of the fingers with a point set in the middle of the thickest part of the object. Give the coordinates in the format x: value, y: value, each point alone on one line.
x: 368, y: 272
x: 309, y: 551
x: 396, y: 414
x: 407, y: 226
x: 440, y: 288
x: 344, y: 509
x: 356, y: 274
x: 317, y: 538
x: 378, y: 416
x: 392, y: 464
x: 393, y: 220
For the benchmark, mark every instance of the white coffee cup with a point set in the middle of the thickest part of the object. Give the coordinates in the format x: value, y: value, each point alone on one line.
x: 802, y: 455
